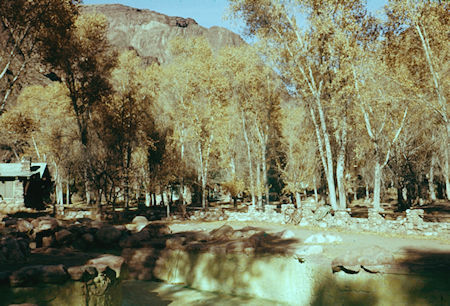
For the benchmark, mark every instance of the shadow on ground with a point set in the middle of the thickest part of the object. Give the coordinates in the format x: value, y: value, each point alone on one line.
x: 417, y: 278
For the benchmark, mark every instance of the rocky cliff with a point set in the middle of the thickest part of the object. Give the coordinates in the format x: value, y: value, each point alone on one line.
x: 146, y: 31
x: 149, y: 32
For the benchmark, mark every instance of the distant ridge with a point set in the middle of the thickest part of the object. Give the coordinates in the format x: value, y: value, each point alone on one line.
x: 148, y: 32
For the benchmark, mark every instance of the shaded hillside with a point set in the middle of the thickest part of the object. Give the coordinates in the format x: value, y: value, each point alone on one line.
x: 145, y: 31
x: 149, y: 32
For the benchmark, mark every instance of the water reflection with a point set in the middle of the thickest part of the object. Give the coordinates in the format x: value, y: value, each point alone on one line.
x: 140, y: 293
x: 126, y: 293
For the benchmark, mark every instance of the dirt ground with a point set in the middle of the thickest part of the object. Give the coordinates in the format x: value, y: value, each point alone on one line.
x: 431, y: 253
x: 361, y: 239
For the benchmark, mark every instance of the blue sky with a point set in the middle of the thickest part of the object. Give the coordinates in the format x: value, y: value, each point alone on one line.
x: 206, y: 12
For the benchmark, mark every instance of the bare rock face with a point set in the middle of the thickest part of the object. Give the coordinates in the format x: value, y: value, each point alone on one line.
x: 149, y: 32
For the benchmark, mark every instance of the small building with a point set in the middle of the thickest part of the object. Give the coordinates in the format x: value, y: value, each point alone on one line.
x: 24, y: 185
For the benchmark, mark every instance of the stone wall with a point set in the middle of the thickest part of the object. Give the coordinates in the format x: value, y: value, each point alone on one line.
x: 313, y: 215
x: 288, y: 280
x: 15, y: 204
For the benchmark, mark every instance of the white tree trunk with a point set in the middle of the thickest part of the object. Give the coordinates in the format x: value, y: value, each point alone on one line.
x: 67, y: 193
x: 265, y: 179
x: 431, y: 178
x: 340, y: 165
x: 86, y: 187
x: 258, y: 184
x: 340, y: 181
x: 316, y: 196
x: 250, y: 163
x: 367, y: 192
x: 446, y: 163
x: 377, y: 185
x: 329, y: 156
x: 147, y: 199
x: 442, y: 100
x: 204, y: 194
x: 298, y: 199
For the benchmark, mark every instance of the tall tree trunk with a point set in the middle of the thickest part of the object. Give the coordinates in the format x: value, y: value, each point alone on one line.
x: 265, y: 178
x: 377, y: 185
x: 367, y: 192
x: 181, y: 192
x: 316, y: 196
x: 446, y: 164
x: 249, y: 159
x: 203, y: 172
x: 59, y: 192
x: 147, y: 199
x: 127, y: 176
x: 329, y: 155
x: 441, y: 97
x: 431, y: 178
x: 340, y: 181
x: 298, y: 199
x: 67, y: 193
x: 258, y: 184
x: 204, y: 194
x: 263, y: 144
x: 86, y: 186
x: 162, y: 196
x: 323, y: 140
x: 340, y: 164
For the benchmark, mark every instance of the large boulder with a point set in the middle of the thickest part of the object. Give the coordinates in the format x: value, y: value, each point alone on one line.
x: 101, y: 263
x: 24, y: 226
x: 135, y: 240
x: 63, y: 236
x: 32, y: 275
x: 82, y: 273
x: 141, y: 262
x: 139, y: 220
x: 14, y: 250
x: 45, y: 224
x: 108, y: 235
x: 157, y: 229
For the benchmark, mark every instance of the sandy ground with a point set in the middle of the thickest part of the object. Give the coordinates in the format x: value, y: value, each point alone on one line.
x: 350, y: 240
x: 164, y: 294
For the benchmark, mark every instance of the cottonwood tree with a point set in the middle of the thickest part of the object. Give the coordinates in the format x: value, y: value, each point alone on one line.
x: 383, y: 109
x: 412, y: 157
x: 26, y: 28
x: 192, y: 97
x: 315, y: 63
x: 417, y: 36
x: 84, y: 59
x: 128, y: 110
x: 254, y: 104
x: 300, y: 168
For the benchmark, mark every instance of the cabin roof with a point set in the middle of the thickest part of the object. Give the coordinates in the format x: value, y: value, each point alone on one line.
x: 8, y: 170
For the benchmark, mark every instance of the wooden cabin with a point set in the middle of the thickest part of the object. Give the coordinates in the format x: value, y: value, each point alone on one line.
x: 24, y: 185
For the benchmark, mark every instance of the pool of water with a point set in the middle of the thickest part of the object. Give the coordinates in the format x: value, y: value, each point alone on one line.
x: 137, y: 293
x: 126, y: 293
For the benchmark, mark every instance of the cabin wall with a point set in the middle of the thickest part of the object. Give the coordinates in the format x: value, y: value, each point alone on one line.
x: 12, y: 199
